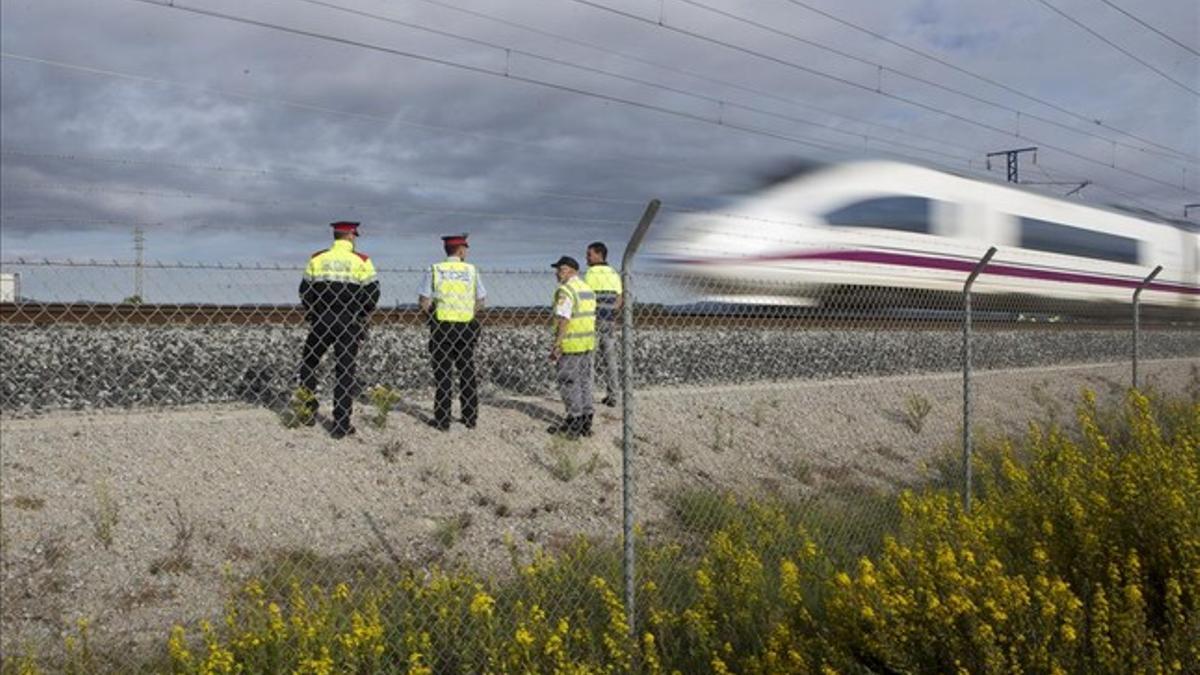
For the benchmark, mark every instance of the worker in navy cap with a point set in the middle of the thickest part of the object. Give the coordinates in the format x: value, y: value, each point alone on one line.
x: 451, y: 296
x: 339, y: 291
x: 574, y: 308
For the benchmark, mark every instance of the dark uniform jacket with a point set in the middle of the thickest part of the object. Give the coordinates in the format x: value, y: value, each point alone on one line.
x: 339, y: 286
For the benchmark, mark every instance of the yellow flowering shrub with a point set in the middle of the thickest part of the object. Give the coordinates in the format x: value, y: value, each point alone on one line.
x: 1082, y: 555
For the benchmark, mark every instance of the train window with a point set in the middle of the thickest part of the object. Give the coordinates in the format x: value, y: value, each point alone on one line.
x: 1042, y: 235
x: 908, y: 214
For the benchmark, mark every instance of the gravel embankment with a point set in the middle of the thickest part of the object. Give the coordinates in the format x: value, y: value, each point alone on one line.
x: 76, y: 367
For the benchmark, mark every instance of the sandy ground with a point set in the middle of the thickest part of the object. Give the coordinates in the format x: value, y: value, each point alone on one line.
x: 197, y: 498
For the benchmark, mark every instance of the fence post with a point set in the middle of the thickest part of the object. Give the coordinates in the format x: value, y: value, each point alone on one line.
x: 967, y: 376
x: 627, y: 484
x: 1137, y: 319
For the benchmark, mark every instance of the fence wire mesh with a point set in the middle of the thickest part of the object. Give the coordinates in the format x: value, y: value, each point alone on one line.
x: 157, y: 460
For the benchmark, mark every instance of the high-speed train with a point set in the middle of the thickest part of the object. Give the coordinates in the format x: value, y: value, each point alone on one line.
x: 871, y: 224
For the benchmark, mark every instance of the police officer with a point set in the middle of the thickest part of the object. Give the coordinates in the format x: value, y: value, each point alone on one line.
x: 574, y: 310
x: 606, y: 283
x: 339, y: 291
x: 450, y: 295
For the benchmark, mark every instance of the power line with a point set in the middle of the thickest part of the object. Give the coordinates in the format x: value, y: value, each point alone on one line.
x: 507, y: 74
x: 850, y: 83
x: 638, y: 104
x: 304, y: 175
x: 390, y: 208
x: 916, y: 78
x: 91, y: 70
x: 617, y: 99
x: 721, y: 103
x: 1118, y: 47
x: 1175, y: 153
x: 346, y: 179
x: 693, y: 74
x: 1149, y: 27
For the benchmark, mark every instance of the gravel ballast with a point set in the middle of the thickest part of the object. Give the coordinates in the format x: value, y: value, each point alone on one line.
x: 87, y: 368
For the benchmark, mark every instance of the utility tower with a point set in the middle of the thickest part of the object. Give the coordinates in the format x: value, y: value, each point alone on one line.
x: 139, y: 250
x: 1011, y: 157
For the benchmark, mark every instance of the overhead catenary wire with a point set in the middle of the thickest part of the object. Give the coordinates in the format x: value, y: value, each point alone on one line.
x: 482, y: 70
x: 720, y: 102
x: 388, y: 120
x: 320, y: 109
x: 1169, y: 151
x: 391, y: 208
x: 640, y: 104
x: 1149, y: 27
x: 916, y: 78
x: 1126, y: 52
x: 679, y: 165
x: 687, y: 72
x: 310, y: 176
x: 507, y: 74
x: 664, y: 25
x: 343, y: 179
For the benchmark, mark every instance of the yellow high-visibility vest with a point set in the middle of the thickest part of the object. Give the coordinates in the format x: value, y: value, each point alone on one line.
x: 454, y: 285
x: 581, y: 329
x: 606, y: 282
x: 603, y: 279
x: 340, y: 262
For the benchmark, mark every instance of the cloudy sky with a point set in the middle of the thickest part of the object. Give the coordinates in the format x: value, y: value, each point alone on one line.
x: 234, y: 131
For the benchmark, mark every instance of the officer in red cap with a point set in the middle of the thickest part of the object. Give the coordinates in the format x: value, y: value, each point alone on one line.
x: 451, y: 294
x: 339, y: 291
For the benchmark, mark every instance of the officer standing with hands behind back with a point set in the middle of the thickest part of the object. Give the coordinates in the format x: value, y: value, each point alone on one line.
x: 339, y: 291
x: 574, y: 311
x: 450, y: 295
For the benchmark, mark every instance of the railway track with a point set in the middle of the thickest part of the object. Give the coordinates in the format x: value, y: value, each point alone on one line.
x: 117, y: 315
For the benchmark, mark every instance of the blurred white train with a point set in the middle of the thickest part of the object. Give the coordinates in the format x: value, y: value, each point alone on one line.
x: 866, y: 225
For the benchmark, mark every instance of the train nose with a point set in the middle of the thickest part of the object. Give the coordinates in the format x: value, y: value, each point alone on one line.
x: 691, y: 240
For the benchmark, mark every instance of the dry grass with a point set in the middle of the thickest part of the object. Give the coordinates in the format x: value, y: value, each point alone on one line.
x: 179, y: 559
x: 391, y: 450
x: 383, y: 399
x: 916, y: 409
x: 28, y: 503
x: 566, y: 466
x: 106, y: 514
x: 449, y: 529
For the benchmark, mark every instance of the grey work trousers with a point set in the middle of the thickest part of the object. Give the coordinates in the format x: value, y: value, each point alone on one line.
x: 606, y: 356
x: 575, y: 383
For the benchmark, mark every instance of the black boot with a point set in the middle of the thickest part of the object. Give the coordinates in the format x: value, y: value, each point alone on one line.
x: 569, y: 428
x: 342, y: 429
x: 586, y: 426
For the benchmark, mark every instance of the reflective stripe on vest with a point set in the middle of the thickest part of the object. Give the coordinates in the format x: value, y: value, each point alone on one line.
x: 581, y: 329
x: 454, y: 291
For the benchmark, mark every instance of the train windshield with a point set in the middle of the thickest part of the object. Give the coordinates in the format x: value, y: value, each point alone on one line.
x: 907, y: 214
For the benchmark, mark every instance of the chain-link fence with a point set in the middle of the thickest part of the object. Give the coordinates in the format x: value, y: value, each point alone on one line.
x: 157, y: 460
